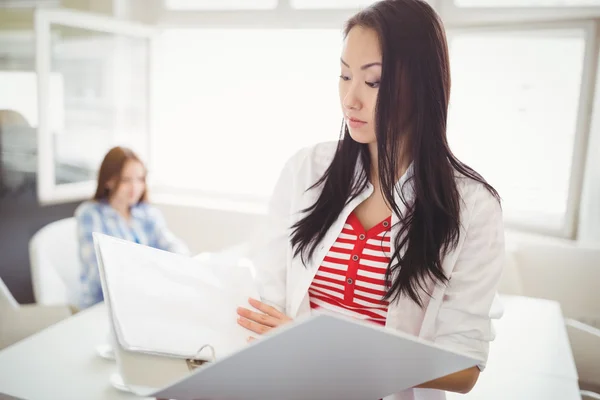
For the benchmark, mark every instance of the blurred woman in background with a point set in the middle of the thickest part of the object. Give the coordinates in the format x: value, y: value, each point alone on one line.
x: 119, y: 208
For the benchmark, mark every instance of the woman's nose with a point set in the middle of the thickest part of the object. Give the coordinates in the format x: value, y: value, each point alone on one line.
x: 351, y: 100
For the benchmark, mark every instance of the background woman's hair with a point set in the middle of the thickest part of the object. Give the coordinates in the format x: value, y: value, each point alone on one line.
x: 111, y: 168
x: 410, y: 115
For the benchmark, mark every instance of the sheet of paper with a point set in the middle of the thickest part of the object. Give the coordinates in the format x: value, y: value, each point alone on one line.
x: 170, y: 304
x: 322, y: 357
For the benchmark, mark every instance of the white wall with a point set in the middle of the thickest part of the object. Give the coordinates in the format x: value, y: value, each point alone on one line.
x: 205, y: 229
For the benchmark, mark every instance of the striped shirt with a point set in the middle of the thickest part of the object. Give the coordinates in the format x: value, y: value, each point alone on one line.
x: 351, y: 278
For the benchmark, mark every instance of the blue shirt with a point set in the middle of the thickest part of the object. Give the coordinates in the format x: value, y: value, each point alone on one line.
x: 146, y: 226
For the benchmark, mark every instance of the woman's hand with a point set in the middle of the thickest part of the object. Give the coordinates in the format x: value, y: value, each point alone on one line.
x: 261, y: 322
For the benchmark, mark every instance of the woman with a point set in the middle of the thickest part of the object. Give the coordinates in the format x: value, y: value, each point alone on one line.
x: 120, y: 209
x: 387, y: 225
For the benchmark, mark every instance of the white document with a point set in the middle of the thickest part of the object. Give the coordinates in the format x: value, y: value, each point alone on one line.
x: 172, y: 305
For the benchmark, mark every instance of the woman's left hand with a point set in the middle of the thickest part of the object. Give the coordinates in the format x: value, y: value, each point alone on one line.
x: 261, y: 322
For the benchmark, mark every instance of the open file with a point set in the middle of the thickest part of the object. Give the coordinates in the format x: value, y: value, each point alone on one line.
x: 168, y: 305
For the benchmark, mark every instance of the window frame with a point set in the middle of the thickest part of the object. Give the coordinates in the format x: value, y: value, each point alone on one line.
x: 191, y: 8
x: 283, y: 16
x: 48, y: 191
x: 455, y: 16
x: 588, y: 216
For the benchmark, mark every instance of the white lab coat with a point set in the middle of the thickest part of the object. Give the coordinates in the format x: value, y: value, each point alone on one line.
x: 458, y: 315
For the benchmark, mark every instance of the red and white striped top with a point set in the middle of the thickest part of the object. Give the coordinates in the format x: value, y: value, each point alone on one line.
x: 351, y: 278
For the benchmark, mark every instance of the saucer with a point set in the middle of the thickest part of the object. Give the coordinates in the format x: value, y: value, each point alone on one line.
x: 105, y: 351
x: 117, y: 382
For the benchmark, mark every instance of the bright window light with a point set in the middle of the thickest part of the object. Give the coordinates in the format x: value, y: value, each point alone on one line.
x: 324, y: 4
x: 525, y: 3
x: 220, y: 4
x: 234, y: 105
x: 19, y: 94
x: 513, y: 115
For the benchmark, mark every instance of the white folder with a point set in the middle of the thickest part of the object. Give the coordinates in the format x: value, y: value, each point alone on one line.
x: 321, y: 357
x: 314, y: 357
x: 171, y: 305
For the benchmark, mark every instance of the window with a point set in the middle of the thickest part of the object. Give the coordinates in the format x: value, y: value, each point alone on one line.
x: 513, y: 115
x: 251, y: 88
x: 92, y: 83
x: 234, y: 105
x: 181, y: 5
x: 331, y: 3
x: 20, y: 95
x: 18, y: 123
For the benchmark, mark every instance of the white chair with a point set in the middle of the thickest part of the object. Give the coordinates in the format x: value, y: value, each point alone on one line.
x: 585, y: 344
x: 55, y: 265
x: 18, y: 322
x: 6, y: 298
x: 587, y: 395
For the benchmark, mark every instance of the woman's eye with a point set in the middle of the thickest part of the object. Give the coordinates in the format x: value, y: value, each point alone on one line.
x: 373, y: 85
x: 344, y: 78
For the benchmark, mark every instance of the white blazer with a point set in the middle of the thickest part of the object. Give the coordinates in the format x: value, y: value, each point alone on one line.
x: 458, y: 315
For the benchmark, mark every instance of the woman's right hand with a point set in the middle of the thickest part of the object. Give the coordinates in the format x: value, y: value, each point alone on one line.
x: 261, y: 322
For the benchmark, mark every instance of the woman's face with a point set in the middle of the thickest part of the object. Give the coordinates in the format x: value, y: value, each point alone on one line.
x: 132, y: 184
x: 359, y: 82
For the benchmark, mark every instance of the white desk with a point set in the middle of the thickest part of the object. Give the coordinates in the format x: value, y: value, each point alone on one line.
x: 530, y: 359
x: 532, y: 338
x: 61, y: 362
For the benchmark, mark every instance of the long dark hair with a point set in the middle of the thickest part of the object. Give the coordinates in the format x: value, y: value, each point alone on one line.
x: 415, y: 72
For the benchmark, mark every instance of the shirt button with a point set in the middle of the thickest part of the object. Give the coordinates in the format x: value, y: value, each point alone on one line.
x: 386, y: 224
x: 350, y: 281
x: 362, y: 236
x: 355, y: 257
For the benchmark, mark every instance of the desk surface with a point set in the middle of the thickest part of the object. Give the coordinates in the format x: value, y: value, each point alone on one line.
x: 530, y: 359
x: 62, y: 361
x: 532, y: 338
